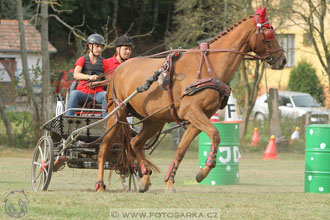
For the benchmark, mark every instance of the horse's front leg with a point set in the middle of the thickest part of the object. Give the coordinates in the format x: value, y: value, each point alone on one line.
x: 199, y: 120
x: 188, y: 136
x: 103, y: 152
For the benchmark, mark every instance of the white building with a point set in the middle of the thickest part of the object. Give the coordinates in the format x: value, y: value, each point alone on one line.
x: 10, y: 57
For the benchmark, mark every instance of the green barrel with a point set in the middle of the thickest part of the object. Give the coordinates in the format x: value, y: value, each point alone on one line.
x: 317, y: 159
x: 226, y: 170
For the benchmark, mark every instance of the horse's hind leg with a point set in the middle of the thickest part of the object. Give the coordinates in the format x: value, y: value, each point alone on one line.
x: 188, y: 136
x: 149, y: 129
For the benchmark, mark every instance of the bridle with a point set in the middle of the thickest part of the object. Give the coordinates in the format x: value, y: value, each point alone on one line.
x: 267, y: 35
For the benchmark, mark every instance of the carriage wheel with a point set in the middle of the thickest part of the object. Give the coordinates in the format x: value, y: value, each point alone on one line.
x: 42, y: 164
x: 133, y: 180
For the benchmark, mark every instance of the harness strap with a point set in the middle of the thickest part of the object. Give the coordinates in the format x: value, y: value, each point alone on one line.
x: 206, y: 83
x: 204, y: 47
x: 168, y: 68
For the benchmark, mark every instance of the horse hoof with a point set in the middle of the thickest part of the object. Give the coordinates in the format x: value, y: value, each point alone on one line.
x: 101, y: 189
x: 199, y: 176
x: 99, y: 186
x: 143, y: 187
x: 170, y: 190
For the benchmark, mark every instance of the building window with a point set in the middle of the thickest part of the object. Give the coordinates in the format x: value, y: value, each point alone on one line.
x: 287, y: 43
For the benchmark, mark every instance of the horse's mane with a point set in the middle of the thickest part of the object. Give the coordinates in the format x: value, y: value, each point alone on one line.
x: 221, y: 34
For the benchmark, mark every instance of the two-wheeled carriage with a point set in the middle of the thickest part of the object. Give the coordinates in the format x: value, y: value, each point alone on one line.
x: 62, y: 145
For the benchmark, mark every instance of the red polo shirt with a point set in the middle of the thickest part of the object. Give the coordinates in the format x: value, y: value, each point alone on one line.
x: 83, y: 88
x: 112, y: 63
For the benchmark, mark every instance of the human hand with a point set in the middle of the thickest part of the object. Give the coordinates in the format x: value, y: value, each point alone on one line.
x: 93, y: 77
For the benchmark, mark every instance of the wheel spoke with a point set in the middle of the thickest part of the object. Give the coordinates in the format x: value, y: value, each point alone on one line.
x: 47, y: 163
x: 134, y: 183
x: 123, y: 181
x: 34, y: 180
x: 42, y: 156
x: 46, y: 172
x: 42, y: 180
x: 37, y: 163
x: 45, y: 149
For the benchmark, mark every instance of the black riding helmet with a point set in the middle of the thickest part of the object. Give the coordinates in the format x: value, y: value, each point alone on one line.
x: 95, y: 39
x: 124, y: 41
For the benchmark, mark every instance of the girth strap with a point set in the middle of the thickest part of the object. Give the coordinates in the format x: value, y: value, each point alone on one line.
x: 208, y: 83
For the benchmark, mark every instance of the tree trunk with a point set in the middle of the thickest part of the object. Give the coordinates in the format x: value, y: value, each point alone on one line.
x: 46, y: 106
x: 141, y: 16
x: 274, y: 113
x: 250, y: 94
x: 26, y: 75
x: 6, y: 122
x: 246, y: 115
x: 168, y: 18
x: 156, y: 10
x: 115, y: 13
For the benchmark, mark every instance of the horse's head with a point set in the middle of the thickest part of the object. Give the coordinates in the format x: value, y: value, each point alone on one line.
x: 265, y: 44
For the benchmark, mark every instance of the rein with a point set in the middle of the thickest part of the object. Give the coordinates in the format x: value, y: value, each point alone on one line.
x: 102, y: 75
x: 256, y: 57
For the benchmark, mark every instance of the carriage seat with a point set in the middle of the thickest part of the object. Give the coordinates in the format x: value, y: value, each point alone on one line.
x: 89, y: 105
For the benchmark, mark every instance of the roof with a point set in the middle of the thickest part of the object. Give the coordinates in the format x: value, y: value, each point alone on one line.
x: 287, y: 93
x: 10, y: 41
x: 292, y: 93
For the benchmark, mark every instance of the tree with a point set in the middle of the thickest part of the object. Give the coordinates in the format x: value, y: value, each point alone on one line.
x: 46, y: 98
x: 251, y: 87
x: 8, y: 9
x: 303, y: 78
x: 199, y: 20
x: 6, y: 122
x: 313, y: 13
x: 28, y: 83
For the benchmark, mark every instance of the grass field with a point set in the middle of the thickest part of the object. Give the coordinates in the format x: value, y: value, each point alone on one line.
x: 266, y: 190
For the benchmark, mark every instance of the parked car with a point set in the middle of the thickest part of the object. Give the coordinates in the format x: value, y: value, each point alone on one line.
x: 292, y: 105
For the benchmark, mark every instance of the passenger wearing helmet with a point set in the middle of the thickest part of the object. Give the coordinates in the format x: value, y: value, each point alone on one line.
x: 89, y: 67
x: 123, y: 46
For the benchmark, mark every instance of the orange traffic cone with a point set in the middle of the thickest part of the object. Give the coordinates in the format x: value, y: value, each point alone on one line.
x: 295, y: 135
x: 215, y: 118
x: 270, y: 152
x: 255, y: 137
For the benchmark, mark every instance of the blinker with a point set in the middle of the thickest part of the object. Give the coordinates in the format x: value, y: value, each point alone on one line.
x: 269, y: 34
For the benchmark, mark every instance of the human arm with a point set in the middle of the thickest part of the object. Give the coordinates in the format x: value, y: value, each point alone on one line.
x: 77, y: 74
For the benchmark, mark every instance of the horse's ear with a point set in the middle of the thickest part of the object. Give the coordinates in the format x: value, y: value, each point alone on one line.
x: 258, y: 11
x: 262, y: 18
x: 263, y: 13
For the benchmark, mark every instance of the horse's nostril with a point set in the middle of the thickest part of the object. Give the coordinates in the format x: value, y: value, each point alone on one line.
x: 284, y: 62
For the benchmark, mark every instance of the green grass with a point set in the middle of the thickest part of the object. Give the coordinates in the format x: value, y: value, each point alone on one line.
x: 266, y: 190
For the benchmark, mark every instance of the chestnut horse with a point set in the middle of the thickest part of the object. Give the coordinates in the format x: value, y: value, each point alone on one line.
x: 223, y: 57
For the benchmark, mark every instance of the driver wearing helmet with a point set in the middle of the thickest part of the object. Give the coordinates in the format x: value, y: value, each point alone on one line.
x: 89, y: 67
x: 123, y: 46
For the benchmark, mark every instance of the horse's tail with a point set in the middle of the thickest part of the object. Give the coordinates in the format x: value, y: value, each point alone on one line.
x: 153, y: 166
